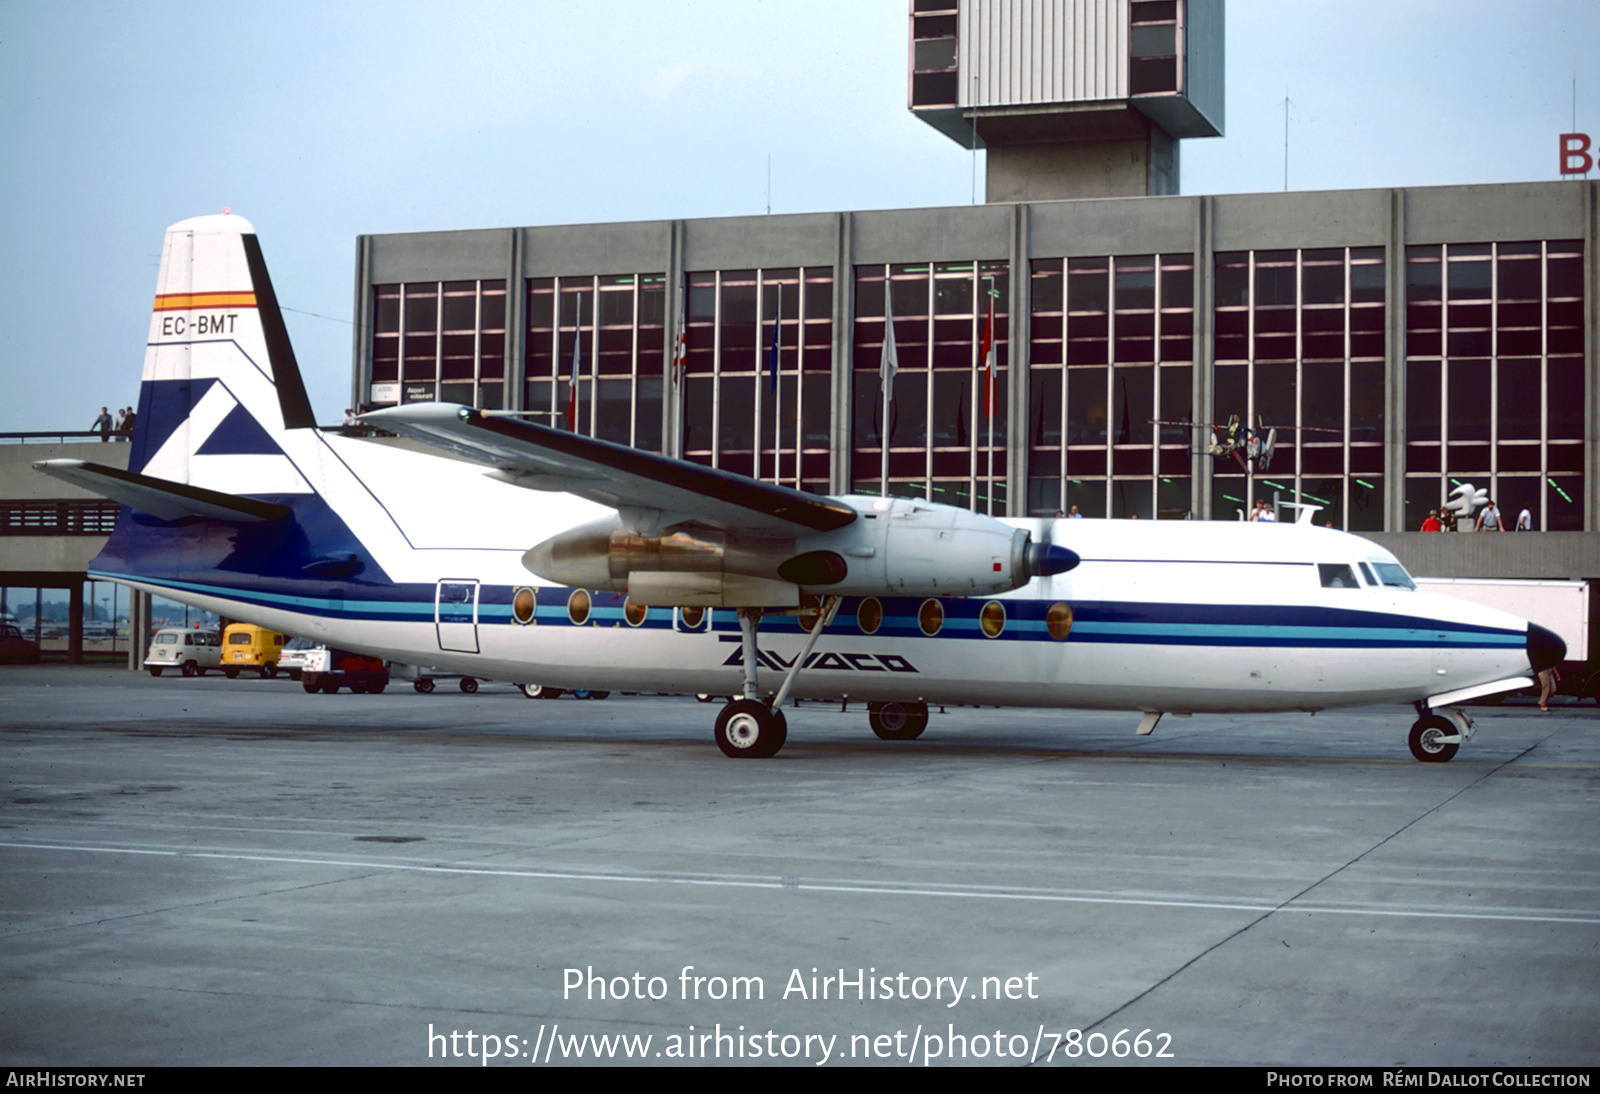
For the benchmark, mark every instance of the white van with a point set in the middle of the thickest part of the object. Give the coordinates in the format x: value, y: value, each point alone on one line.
x: 189, y: 651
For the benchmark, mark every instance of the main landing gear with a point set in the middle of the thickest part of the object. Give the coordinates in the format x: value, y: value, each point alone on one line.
x: 749, y: 728
x: 898, y: 721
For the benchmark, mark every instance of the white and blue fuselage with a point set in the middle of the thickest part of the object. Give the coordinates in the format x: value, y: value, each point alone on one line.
x: 234, y: 501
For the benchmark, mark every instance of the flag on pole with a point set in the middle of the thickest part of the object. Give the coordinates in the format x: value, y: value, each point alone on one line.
x: 889, y: 363
x: 577, y: 364
x: 680, y: 343
x: 772, y: 354
x: 988, y: 355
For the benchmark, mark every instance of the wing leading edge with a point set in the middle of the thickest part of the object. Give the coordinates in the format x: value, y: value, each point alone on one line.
x: 652, y: 492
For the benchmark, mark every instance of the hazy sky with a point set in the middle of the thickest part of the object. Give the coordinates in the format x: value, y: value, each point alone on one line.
x: 321, y: 121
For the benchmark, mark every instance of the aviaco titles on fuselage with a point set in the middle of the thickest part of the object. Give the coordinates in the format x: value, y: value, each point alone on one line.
x: 518, y: 551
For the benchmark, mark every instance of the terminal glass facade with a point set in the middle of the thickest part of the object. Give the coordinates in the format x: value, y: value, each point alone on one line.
x: 1495, y: 378
x: 1110, y: 384
x: 1300, y: 347
x: 947, y: 416
x: 594, y: 355
x: 440, y: 340
x: 756, y: 395
x: 1393, y: 371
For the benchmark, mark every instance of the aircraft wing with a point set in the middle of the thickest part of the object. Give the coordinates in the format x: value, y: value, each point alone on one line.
x: 650, y: 491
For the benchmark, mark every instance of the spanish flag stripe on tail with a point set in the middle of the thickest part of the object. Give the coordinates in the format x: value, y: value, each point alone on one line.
x: 180, y: 301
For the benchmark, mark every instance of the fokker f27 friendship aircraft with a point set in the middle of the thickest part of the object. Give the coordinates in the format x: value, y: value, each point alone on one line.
x: 509, y: 550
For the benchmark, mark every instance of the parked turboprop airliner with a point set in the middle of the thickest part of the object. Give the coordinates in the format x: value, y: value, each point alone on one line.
x: 502, y: 549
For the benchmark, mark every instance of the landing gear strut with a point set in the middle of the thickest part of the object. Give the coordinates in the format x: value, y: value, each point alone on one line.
x: 748, y: 727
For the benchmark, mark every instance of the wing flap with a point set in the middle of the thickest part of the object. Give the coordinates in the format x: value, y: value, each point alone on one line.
x: 651, y: 491
x: 160, y: 498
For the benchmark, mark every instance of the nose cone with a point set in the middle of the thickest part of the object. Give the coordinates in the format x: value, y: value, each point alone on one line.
x: 1545, y: 648
x: 1050, y: 559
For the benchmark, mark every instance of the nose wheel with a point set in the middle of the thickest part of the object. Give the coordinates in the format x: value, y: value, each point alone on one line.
x: 1434, y: 740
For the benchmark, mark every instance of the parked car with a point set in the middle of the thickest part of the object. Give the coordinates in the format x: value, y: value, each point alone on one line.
x: 191, y: 652
x: 246, y: 646
x: 14, y: 647
x: 327, y: 669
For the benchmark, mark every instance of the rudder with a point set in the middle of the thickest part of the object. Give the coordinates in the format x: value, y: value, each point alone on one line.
x: 221, y: 386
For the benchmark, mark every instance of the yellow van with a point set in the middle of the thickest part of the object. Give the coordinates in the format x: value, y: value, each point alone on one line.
x: 246, y: 646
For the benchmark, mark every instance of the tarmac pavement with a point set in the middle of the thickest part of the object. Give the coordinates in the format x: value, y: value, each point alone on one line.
x: 209, y: 871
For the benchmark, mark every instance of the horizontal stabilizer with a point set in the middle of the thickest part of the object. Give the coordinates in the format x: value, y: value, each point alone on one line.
x: 160, y: 498
x: 651, y: 491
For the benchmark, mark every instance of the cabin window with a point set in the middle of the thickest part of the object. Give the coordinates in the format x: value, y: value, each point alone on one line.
x: 578, y: 606
x: 992, y: 619
x: 523, y: 603
x: 869, y: 616
x: 931, y: 617
x: 634, y: 613
x: 1337, y: 575
x: 1394, y: 574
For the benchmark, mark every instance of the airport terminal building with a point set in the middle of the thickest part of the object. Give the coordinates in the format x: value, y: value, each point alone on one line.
x: 1404, y: 341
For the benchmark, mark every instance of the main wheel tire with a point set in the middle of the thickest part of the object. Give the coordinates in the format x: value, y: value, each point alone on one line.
x: 330, y: 683
x: 747, y: 729
x: 191, y: 669
x: 231, y: 674
x: 1425, y: 739
x: 423, y: 686
x: 468, y: 685
x: 898, y: 721
x: 155, y: 672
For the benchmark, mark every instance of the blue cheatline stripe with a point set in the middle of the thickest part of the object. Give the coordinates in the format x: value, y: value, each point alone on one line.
x: 1231, y: 625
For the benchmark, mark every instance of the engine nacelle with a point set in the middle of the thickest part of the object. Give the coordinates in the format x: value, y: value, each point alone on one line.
x: 894, y: 547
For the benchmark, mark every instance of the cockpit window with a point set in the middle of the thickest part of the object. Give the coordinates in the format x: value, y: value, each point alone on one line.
x: 1366, y: 570
x: 1392, y: 573
x: 1337, y: 575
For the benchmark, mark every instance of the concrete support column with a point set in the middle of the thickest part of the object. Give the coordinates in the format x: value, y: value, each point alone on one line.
x: 1394, y: 366
x: 677, y: 314
x: 1591, y: 355
x: 844, y: 322
x: 138, y: 627
x: 361, y: 332
x: 1203, y: 408
x: 75, y: 622
x: 515, y: 392
x: 1018, y: 341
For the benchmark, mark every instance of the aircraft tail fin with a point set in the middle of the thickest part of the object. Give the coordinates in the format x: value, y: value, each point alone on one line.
x: 221, y: 386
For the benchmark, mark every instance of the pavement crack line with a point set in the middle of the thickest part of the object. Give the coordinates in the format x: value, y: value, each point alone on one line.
x: 1330, y: 875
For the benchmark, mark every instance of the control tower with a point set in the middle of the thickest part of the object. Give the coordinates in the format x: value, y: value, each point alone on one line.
x: 1071, y: 98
